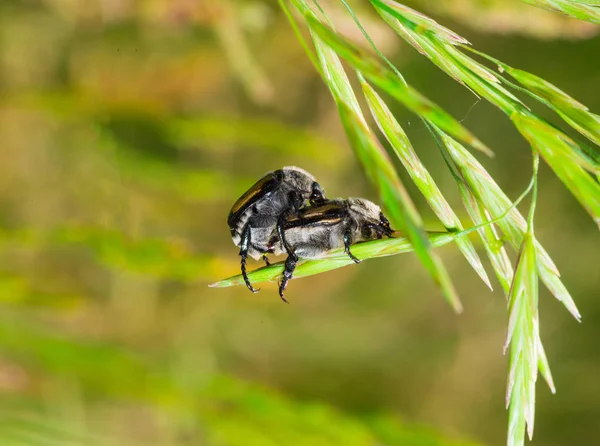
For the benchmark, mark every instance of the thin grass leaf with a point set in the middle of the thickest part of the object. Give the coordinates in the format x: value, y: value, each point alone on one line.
x: 421, y: 21
x: 558, y: 156
x: 305, y: 46
x: 492, y: 243
x: 570, y: 110
x: 397, y: 201
x: 552, y: 281
x: 585, y: 122
x: 379, y: 168
x: 373, y: 69
x: 478, y: 78
x: 543, y: 366
x: 581, y: 10
x: 401, y: 145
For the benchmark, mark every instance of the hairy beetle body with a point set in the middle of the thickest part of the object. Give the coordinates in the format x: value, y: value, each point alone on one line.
x: 338, y: 223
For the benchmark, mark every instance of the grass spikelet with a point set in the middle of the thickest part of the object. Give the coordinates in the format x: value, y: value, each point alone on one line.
x: 514, y: 226
x: 582, y: 10
x: 523, y: 335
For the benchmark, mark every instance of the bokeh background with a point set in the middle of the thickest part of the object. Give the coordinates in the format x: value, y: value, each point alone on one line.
x: 128, y: 129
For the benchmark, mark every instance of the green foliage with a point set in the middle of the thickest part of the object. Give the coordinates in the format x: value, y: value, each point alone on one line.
x: 481, y: 195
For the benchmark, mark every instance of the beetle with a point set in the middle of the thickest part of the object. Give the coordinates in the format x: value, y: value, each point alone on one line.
x: 262, y: 209
x: 338, y: 223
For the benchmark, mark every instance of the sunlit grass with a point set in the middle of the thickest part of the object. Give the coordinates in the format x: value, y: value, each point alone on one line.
x: 575, y: 163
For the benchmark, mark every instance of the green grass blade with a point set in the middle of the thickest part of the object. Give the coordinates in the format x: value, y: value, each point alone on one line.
x: 543, y: 366
x: 378, y: 166
x: 396, y: 200
x: 556, y: 152
x: 569, y: 109
x: 577, y: 10
x: 422, y: 22
x: 373, y: 69
x: 572, y: 111
x: 491, y: 241
x: 401, y: 145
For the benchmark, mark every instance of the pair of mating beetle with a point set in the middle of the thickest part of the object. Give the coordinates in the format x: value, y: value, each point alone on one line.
x: 273, y: 217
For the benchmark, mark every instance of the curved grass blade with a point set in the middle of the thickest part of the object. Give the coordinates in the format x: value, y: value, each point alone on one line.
x: 558, y: 156
x: 401, y: 145
x: 379, y: 168
x: 491, y: 241
x: 581, y: 10
x: 576, y: 114
x: 397, y: 200
x: 373, y: 69
x: 422, y: 22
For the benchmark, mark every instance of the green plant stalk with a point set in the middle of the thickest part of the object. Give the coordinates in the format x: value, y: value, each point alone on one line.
x: 366, y: 250
x: 523, y: 333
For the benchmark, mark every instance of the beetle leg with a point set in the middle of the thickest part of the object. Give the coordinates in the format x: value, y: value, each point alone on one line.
x: 281, y: 233
x: 347, y: 243
x: 290, y: 266
x: 266, y: 259
x: 244, y: 244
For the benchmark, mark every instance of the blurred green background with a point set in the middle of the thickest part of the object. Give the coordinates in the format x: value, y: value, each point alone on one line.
x: 129, y: 128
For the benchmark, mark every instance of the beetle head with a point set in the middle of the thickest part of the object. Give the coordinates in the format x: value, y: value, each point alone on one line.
x: 370, y: 221
x: 302, y: 181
